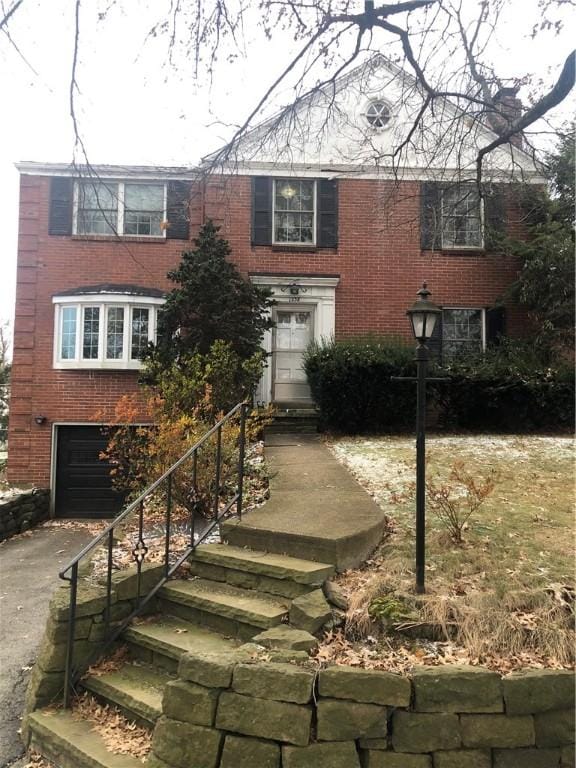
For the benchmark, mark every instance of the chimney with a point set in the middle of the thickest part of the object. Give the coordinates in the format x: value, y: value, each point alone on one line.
x: 507, y: 109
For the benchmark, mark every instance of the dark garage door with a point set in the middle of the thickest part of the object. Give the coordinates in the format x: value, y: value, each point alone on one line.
x: 83, y: 482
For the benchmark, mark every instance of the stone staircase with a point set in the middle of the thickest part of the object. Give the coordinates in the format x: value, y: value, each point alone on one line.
x: 294, y: 421
x: 234, y: 596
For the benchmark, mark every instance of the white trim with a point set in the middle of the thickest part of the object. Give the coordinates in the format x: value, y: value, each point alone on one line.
x: 481, y: 202
x: 120, y: 206
x: 320, y: 296
x: 302, y: 243
x: 142, y: 172
x: 104, y: 302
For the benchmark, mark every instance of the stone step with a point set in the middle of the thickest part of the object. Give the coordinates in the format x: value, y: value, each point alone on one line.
x: 262, y: 571
x: 163, y: 641
x: 72, y: 743
x: 135, y: 689
x: 230, y: 610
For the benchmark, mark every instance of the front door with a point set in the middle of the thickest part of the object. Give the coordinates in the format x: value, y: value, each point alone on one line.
x: 293, y: 332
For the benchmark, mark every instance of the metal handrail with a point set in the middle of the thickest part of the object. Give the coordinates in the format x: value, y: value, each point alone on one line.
x: 70, y: 571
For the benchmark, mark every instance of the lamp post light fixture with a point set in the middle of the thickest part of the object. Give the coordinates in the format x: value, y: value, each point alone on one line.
x: 423, y: 317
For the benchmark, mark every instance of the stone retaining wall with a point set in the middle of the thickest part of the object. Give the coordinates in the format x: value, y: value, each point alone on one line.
x: 242, y: 712
x: 22, y: 511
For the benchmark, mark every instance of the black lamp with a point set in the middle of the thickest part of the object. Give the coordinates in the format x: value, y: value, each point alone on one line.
x: 423, y: 316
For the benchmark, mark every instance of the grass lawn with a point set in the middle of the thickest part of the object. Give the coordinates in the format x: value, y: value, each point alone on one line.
x: 507, y: 590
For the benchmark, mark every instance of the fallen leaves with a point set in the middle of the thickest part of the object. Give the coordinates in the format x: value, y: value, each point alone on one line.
x: 120, y: 736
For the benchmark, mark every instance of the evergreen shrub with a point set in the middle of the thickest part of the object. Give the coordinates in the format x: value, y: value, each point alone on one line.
x: 351, y: 384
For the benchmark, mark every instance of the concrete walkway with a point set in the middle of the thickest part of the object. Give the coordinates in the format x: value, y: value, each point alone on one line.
x: 316, y: 511
x: 29, y: 567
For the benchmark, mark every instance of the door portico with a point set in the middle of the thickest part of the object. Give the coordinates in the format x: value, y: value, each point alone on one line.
x: 304, y: 312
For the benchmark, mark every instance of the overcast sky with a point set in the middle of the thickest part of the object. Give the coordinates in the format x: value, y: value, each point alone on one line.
x: 135, y: 110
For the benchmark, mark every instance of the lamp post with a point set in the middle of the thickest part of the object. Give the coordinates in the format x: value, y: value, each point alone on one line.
x: 423, y: 316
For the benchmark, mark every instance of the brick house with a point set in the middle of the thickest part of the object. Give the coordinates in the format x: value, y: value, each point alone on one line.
x: 342, y: 241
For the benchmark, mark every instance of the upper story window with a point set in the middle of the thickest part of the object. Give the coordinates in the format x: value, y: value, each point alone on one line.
x: 290, y: 212
x: 294, y: 211
x: 462, y: 221
x: 105, y: 331
x: 120, y: 208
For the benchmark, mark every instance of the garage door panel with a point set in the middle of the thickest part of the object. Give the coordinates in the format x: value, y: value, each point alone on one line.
x: 83, y: 482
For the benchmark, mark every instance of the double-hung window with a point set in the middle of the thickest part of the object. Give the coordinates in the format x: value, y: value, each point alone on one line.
x: 463, y: 332
x: 462, y: 220
x: 112, y: 332
x: 294, y: 212
x: 120, y: 208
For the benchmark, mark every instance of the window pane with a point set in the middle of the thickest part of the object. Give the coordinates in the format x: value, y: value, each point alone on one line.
x: 115, y: 333
x: 139, y: 341
x: 68, y: 335
x: 143, y: 209
x: 293, y: 211
x: 461, y: 332
x: 90, y: 333
x: 97, y: 208
x: 461, y: 219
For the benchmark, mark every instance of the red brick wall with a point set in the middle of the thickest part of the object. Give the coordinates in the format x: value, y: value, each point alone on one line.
x: 378, y: 259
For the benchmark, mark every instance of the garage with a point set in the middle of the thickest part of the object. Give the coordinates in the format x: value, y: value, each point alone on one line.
x: 83, y: 483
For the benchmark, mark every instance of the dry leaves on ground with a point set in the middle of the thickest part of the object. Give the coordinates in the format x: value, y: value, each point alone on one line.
x: 110, y: 664
x: 119, y: 735
x: 36, y: 760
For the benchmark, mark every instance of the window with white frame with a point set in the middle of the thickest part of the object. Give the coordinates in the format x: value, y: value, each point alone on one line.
x: 462, y: 220
x: 108, y: 332
x: 463, y: 332
x: 294, y: 211
x: 120, y: 208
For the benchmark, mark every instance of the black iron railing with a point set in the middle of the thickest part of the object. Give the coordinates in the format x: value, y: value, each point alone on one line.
x: 178, y: 487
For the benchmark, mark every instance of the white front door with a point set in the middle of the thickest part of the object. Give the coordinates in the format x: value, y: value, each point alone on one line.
x: 293, y: 332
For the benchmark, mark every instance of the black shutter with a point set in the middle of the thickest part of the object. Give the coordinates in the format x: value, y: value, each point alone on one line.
x: 327, y: 216
x: 430, y: 216
x: 494, y: 216
x: 60, y: 219
x: 495, y: 325
x: 434, y: 344
x: 261, y: 210
x: 178, y: 210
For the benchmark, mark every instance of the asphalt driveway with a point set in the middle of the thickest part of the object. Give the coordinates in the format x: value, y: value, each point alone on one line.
x: 29, y: 566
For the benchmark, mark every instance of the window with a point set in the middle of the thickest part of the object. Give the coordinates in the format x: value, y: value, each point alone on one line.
x: 378, y: 114
x: 463, y: 332
x: 103, y: 333
x: 462, y: 225
x: 120, y: 208
x: 294, y: 211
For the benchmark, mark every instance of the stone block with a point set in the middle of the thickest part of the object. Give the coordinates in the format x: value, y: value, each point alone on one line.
x: 419, y: 732
x: 526, y: 758
x: 277, y: 720
x: 90, y: 600
x: 286, y: 638
x: 281, y: 682
x: 497, y: 731
x: 125, y: 582
x: 538, y: 690
x: 310, y: 611
x: 554, y: 729
x: 190, y: 703
x: 287, y: 657
x: 341, y: 755
x: 372, y: 759
x: 463, y: 758
x: 373, y: 743
x: 241, y: 752
x: 370, y: 686
x: 182, y: 745
x: 213, y: 670
x: 242, y: 579
x: 282, y: 587
x: 347, y: 720
x: 335, y: 595
x: 52, y: 656
x: 207, y: 570
x: 57, y: 631
x: 567, y: 757
x: 457, y: 689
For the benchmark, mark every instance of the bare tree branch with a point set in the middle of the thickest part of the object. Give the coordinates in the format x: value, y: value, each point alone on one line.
x: 9, y: 13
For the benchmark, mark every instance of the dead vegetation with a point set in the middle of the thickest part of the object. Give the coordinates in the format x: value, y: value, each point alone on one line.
x: 120, y: 736
x: 499, y: 591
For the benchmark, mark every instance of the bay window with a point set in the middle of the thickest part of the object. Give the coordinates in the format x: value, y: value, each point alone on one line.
x: 108, y: 332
